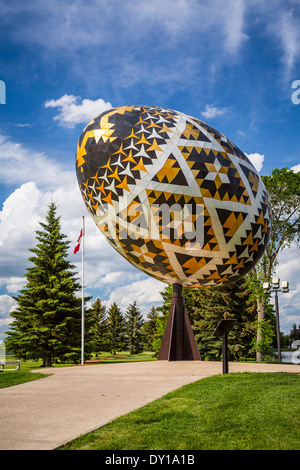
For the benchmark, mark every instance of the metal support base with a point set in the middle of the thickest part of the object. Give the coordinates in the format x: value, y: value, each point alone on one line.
x: 178, y: 343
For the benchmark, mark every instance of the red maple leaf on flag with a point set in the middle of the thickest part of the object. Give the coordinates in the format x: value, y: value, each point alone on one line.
x: 78, y: 242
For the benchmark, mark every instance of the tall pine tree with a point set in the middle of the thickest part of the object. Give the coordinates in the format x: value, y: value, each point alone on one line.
x: 116, y: 329
x: 149, y: 329
x: 207, y: 307
x: 47, y: 321
x: 99, y: 327
x: 134, y: 322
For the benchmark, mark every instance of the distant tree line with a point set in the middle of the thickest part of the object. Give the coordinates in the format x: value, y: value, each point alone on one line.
x: 111, y: 331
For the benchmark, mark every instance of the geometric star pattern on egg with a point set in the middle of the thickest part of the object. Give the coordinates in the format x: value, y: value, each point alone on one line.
x: 173, y: 195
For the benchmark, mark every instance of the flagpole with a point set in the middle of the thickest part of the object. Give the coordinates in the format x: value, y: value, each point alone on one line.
x: 82, y: 300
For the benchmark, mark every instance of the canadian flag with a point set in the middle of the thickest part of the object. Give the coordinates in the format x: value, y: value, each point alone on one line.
x: 78, y: 242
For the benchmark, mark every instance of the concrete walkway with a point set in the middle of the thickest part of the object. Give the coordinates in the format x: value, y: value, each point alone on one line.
x: 44, y: 414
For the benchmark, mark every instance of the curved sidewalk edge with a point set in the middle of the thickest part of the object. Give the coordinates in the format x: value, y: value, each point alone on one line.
x: 46, y: 413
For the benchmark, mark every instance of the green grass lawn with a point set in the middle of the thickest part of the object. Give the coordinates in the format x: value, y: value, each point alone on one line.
x: 10, y: 378
x: 123, y: 356
x: 241, y: 411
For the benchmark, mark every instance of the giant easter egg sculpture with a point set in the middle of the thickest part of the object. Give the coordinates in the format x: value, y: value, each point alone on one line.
x: 172, y: 195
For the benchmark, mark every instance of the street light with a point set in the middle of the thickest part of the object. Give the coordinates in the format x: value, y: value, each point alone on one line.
x: 276, y: 289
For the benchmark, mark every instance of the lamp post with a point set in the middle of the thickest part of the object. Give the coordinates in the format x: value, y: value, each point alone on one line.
x: 223, y: 329
x: 276, y: 289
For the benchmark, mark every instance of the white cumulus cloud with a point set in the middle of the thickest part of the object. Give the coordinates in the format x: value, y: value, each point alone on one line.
x: 212, y: 111
x: 19, y: 164
x: 74, y: 110
x: 7, y: 305
x: 146, y: 292
x: 296, y: 168
x: 257, y: 160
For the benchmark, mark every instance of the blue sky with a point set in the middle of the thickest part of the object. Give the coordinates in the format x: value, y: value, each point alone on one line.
x: 230, y: 63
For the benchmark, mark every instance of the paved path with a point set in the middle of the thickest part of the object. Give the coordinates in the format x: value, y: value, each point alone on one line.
x: 44, y: 414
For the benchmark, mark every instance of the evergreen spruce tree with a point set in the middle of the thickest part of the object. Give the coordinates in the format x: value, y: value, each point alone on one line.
x: 99, y: 327
x: 161, y: 319
x: 116, y: 329
x: 47, y: 321
x: 134, y: 323
x: 243, y: 309
x: 161, y: 322
x: 149, y: 329
x: 206, y: 307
